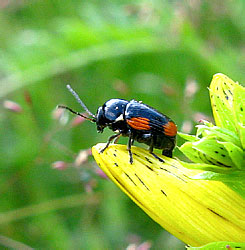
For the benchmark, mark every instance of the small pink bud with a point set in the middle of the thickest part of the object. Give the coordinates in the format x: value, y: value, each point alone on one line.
x: 4, y: 4
x: 12, y: 106
x: 144, y: 246
x: 77, y: 120
x: 169, y: 90
x: 90, y: 185
x: 100, y: 173
x: 57, y: 113
x: 191, y: 88
x: 198, y: 116
x: 89, y: 151
x: 60, y: 165
x: 82, y: 158
x: 120, y: 86
x: 186, y: 127
x: 60, y: 115
x: 131, y: 247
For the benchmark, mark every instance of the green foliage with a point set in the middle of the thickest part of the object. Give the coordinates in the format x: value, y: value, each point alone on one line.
x: 145, y: 50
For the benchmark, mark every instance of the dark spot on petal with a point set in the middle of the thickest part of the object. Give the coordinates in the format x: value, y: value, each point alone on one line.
x: 223, y: 155
x: 173, y: 166
x: 216, y: 213
x: 173, y: 174
x: 121, y: 184
x: 115, y: 155
x: 148, y: 160
x: 142, y: 182
x: 136, y: 154
x: 115, y: 164
x: 149, y: 167
x: 130, y: 179
x: 163, y: 192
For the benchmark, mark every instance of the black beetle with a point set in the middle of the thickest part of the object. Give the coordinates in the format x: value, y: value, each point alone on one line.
x: 134, y: 119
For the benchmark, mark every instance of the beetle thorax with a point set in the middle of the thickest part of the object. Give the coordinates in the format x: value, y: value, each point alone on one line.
x: 111, y: 115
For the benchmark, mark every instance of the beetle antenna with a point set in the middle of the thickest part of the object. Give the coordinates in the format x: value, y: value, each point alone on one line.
x: 77, y: 113
x: 79, y: 100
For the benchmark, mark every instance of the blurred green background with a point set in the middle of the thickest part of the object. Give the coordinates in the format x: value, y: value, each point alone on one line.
x: 161, y: 52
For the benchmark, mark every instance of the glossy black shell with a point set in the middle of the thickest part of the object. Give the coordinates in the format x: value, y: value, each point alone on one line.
x: 156, y: 122
x: 108, y: 114
x: 117, y: 114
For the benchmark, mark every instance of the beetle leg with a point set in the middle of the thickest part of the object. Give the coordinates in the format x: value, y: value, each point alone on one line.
x: 130, y: 143
x: 167, y: 152
x: 151, y: 151
x: 117, y: 138
x: 151, y: 147
x: 109, y: 141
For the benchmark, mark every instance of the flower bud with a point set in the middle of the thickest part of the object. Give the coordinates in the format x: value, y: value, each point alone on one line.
x: 60, y: 165
x: 12, y: 106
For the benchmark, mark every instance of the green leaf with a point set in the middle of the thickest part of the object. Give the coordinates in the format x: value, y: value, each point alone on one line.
x: 236, y: 154
x: 221, y: 134
x: 211, y: 152
x: 191, y: 153
x: 187, y: 137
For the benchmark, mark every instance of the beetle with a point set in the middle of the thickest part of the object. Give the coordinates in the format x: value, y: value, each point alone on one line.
x: 135, y: 120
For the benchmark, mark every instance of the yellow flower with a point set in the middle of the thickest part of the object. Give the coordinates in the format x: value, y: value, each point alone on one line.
x: 195, y: 211
x: 181, y: 200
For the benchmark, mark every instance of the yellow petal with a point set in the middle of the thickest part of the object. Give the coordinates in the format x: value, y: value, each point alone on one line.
x: 195, y: 211
x: 221, y: 95
x: 239, y: 108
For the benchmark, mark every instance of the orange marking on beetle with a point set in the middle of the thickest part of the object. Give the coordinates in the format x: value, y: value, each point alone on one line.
x: 170, y: 129
x: 140, y: 123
